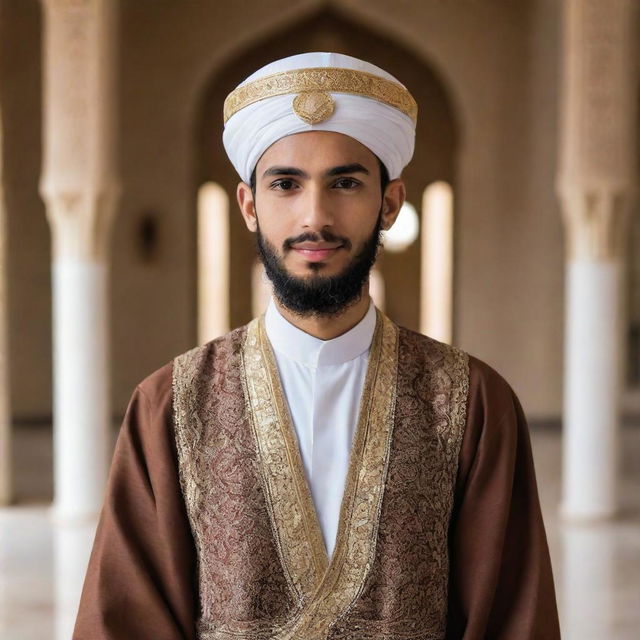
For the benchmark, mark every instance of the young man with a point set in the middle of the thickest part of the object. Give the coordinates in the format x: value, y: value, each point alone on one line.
x: 321, y: 472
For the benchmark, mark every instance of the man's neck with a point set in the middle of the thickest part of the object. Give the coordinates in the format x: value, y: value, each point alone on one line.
x: 329, y: 328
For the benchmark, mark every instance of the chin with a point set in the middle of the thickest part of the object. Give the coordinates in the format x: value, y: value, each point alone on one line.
x: 323, y: 269
x: 332, y: 266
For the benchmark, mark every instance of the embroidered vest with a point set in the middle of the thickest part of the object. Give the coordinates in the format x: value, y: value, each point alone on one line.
x: 263, y: 570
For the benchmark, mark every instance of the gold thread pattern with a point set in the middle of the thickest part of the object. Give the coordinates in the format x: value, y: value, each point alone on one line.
x: 325, y: 79
x: 313, y: 106
x: 187, y: 426
x: 411, y: 567
x: 242, y: 589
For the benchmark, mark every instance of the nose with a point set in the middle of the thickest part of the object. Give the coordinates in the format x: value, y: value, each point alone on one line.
x: 317, y: 211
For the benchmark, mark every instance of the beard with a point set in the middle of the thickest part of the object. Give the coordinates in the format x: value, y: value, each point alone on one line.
x: 317, y: 295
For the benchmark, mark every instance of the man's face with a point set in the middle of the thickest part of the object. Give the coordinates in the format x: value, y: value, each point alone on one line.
x: 317, y: 210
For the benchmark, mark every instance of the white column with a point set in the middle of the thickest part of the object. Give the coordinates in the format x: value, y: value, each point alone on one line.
x: 596, y: 183
x: 436, y: 273
x: 377, y: 288
x: 81, y: 385
x: 80, y: 190
x: 261, y: 289
x: 6, y: 489
x: 213, y: 262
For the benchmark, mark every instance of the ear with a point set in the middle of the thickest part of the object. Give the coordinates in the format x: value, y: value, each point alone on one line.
x: 247, y: 206
x: 392, y: 201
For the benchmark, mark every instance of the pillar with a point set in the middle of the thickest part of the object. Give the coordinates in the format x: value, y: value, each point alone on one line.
x: 596, y: 184
x: 436, y: 266
x: 80, y: 190
x: 5, y: 414
x: 213, y: 262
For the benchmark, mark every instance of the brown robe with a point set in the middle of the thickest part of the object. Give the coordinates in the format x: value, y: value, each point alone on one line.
x: 208, y: 529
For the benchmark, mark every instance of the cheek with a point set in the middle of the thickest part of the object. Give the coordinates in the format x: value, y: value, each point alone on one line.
x: 281, y: 218
x: 360, y: 224
x: 363, y: 210
x: 273, y: 230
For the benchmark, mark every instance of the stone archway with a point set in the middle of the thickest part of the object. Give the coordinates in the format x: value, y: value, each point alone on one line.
x: 435, y: 156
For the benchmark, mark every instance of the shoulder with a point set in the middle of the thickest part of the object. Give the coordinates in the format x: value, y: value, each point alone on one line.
x: 149, y: 418
x: 486, y: 385
x: 484, y: 381
x: 489, y: 397
x: 495, y: 422
x: 157, y: 387
x: 428, y: 352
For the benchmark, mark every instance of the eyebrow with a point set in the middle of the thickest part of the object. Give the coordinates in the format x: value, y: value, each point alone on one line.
x: 284, y: 171
x: 354, y: 167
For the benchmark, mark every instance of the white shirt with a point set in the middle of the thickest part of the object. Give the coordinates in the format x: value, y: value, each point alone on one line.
x: 323, y: 382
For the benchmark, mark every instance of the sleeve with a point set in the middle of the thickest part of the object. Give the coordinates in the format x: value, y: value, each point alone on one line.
x: 501, y: 583
x: 141, y: 578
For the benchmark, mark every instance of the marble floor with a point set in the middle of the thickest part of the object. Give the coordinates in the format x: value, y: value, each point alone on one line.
x: 596, y: 567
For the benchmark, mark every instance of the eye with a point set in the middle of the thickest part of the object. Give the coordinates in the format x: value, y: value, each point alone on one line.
x: 346, y: 183
x: 284, y: 184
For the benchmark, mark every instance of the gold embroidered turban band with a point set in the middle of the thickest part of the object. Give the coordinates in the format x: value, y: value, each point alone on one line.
x: 320, y: 91
x: 318, y: 84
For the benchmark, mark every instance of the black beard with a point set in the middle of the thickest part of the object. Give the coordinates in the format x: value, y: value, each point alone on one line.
x: 319, y: 296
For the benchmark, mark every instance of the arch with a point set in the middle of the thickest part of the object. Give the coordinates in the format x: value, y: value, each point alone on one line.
x: 434, y: 159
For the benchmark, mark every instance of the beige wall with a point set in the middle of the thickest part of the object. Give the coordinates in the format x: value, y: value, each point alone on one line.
x: 498, y: 62
x: 28, y: 246
x: 509, y: 259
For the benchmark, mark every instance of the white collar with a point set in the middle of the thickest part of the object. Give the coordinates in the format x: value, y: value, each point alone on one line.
x: 295, y: 344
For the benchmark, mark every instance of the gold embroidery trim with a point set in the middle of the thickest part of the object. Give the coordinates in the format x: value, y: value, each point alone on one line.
x: 457, y: 363
x: 289, y: 501
x: 326, y: 587
x: 327, y: 79
x: 362, y: 502
x: 188, y: 430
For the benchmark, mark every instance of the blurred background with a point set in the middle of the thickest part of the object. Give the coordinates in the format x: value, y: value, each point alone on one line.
x: 122, y: 246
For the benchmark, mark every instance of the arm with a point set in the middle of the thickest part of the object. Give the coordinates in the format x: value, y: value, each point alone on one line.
x: 501, y: 585
x: 141, y: 581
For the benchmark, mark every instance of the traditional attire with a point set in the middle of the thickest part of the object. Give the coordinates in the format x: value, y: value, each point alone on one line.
x: 271, y: 485
x: 323, y: 382
x: 210, y: 530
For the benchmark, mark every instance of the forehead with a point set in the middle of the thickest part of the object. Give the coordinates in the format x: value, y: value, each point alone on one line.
x: 316, y: 149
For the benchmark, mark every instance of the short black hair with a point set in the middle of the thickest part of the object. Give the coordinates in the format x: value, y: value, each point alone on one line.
x: 384, y: 177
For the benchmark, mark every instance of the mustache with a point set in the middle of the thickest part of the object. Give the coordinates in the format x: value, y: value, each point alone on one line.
x: 309, y: 236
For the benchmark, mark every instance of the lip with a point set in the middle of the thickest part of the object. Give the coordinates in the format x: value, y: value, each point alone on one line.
x: 316, y: 255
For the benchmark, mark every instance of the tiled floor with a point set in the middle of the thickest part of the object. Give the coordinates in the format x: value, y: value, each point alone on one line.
x: 597, y: 568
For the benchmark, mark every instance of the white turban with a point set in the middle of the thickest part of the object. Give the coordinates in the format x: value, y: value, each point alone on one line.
x: 320, y: 92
